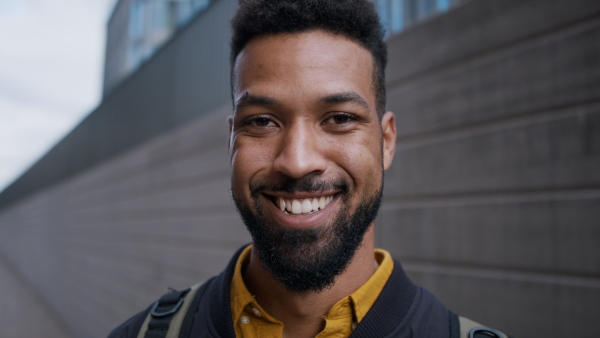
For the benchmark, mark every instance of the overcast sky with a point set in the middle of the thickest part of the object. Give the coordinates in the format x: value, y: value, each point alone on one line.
x: 51, y: 63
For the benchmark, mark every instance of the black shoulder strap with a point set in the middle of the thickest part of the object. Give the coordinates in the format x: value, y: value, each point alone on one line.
x: 172, y: 315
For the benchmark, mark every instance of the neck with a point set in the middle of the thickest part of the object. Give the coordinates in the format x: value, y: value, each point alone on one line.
x: 302, y: 313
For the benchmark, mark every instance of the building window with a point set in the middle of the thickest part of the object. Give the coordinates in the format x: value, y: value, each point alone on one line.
x: 152, y: 23
x: 397, y: 15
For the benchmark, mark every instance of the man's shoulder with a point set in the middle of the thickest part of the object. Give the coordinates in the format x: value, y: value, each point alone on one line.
x: 416, y: 309
x: 217, y: 286
x: 174, y: 311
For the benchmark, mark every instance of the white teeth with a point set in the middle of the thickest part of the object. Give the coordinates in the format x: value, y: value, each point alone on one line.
x: 304, y: 205
x: 281, y: 203
x: 314, y: 204
x: 322, y: 202
x: 296, y: 207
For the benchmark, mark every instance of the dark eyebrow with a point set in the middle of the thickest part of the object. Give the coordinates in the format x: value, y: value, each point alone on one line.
x: 253, y: 100
x: 351, y: 97
x: 258, y: 100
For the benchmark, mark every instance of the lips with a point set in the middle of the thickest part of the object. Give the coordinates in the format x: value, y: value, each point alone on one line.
x: 306, y: 211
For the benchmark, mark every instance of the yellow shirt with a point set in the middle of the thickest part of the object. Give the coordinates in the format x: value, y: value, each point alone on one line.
x: 250, y: 320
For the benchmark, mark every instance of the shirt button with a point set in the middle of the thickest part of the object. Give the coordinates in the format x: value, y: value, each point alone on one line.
x: 245, y: 320
x: 256, y: 312
x: 354, y: 326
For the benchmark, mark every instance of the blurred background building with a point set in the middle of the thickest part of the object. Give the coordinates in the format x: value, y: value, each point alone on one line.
x: 492, y: 202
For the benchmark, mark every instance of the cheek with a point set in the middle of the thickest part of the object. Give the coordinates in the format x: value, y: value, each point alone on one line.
x: 361, y: 159
x: 241, y: 168
x: 246, y: 161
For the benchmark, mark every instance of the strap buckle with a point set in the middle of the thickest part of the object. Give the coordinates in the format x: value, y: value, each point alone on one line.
x: 167, y: 312
x: 486, y: 331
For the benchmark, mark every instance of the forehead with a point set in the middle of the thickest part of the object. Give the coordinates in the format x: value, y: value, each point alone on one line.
x: 309, y: 63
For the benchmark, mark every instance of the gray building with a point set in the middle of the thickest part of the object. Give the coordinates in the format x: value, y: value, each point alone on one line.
x: 492, y: 202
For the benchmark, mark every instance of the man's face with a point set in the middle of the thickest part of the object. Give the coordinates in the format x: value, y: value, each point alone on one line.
x: 307, y: 152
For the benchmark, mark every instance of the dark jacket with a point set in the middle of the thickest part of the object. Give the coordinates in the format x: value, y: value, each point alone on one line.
x: 403, y: 309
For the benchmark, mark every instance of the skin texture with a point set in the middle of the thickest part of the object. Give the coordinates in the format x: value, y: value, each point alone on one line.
x: 305, y: 108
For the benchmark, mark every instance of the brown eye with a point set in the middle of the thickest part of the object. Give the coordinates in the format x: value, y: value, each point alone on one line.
x: 340, y: 119
x: 261, y: 122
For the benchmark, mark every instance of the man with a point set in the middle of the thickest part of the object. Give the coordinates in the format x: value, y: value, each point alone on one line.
x: 309, y: 142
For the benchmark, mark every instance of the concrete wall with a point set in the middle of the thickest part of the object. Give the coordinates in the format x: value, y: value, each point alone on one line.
x: 100, y: 246
x: 492, y: 202
x: 493, y: 199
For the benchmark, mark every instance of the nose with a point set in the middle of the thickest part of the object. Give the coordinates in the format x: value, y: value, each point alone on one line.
x: 300, y: 152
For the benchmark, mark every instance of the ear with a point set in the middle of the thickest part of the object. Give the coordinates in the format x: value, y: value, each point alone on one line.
x: 230, y: 133
x: 388, y: 127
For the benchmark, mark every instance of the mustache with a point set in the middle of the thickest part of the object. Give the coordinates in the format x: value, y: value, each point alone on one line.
x: 304, y: 184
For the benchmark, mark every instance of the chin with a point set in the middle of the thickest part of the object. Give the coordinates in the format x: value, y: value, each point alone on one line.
x: 308, y: 258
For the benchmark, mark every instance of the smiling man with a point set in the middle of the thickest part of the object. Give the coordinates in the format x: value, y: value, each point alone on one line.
x: 309, y: 142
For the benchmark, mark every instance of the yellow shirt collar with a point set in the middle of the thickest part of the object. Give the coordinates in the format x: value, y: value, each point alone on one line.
x: 250, y: 320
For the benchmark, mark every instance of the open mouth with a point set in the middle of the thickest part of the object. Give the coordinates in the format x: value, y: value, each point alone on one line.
x: 299, y: 206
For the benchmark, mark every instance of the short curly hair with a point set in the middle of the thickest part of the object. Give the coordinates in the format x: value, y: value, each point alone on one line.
x: 355, y: 19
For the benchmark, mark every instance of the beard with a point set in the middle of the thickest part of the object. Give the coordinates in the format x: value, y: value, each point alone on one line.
x: 308, y: 259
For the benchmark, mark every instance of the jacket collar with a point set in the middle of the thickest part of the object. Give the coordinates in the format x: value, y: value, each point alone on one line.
x: 390, y: 308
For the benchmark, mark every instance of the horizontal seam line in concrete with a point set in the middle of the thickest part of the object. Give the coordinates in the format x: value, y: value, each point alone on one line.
x: 583, y: 192
x: 507, y: 274
x: 490, y: 52
x: 506, y: 122
x: 189, y: 212
x: 150, y: 191
x: 117, y: 177
x: 152, y: 212
x: 200, y: 245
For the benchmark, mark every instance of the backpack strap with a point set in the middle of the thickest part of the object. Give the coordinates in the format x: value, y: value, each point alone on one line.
x: 471, y: 329
x: 186, y: 326
x: 461, y: 327
x: 167, y: 314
